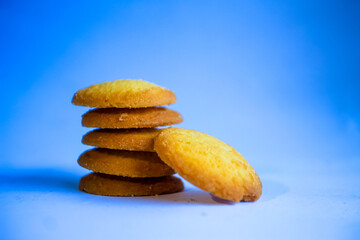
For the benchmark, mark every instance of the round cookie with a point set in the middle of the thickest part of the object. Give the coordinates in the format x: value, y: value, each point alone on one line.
x: 124, y: 139
x: 108, y: 185
x: 124, y: 163
x: 124, y: 94
x: 130, y: 118
x: 209, y: 164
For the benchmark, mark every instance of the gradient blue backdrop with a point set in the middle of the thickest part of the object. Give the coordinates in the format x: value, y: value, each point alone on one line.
x: 278, y: 80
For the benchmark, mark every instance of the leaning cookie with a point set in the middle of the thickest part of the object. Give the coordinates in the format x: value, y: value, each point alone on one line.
x: 130, y: 118
x: 124, y: 139
x: 124, y: 94
x: 209, y: 164
x: 124, y: 163
x: 108, y: 185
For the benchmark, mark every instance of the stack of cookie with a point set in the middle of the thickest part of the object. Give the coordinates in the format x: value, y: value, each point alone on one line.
x: 126, y: 115
x: 132, y: 157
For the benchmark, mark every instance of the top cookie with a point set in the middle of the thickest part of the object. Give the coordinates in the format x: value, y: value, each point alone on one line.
x: 209, y: 164
x: 124, y: 94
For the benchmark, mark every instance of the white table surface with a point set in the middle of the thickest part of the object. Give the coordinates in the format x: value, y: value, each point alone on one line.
x: 298, y: 202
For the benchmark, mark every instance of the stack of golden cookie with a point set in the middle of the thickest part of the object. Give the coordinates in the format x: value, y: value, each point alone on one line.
x: 134, y: 158
x: 126, y: 116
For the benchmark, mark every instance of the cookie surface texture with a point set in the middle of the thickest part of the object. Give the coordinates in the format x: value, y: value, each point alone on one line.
x: 124, y: 94
x: 124, y: 139
x: 124, y: 163
x: 108, y: 185
x: 120, y: 118
x: 209, y: 164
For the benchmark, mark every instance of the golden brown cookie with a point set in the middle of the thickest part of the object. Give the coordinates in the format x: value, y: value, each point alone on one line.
x: 209, y: 164
x: 124, y: 94
x: 108, y: 185
x: 124, y: 163
x: 124, y: 139
x: 130, y: 118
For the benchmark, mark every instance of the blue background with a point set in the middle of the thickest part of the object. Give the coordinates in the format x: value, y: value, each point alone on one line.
x: 278, y: 80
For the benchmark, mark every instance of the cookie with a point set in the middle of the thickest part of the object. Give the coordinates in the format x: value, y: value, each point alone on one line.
x: 108, y: 185
x: 124, y: 94
x: 209, y: 164
x: 130, y: 118
x: 124, y: 139
x: 124, y: 163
